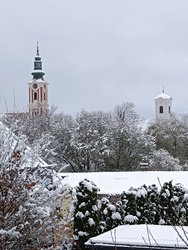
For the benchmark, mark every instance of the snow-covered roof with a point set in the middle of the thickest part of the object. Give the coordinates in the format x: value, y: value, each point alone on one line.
x: 164, y: 96
x: 37, y: 80
x: 38, y: 71
x: 117, y: 182
x: 142, y: 235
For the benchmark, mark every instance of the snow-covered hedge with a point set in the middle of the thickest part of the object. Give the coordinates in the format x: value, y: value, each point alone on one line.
x: 146, y: 204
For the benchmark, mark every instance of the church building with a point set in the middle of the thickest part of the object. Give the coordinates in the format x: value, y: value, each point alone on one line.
x: 38, y: 88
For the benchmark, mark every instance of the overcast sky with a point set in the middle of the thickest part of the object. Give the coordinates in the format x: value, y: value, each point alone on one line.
x: 96, y: 54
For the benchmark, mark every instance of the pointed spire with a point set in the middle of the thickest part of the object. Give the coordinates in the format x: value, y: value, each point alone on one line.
x: 38, y: 73
x: 163, y: 88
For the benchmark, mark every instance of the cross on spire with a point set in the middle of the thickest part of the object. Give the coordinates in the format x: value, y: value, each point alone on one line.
x: 38, y: 49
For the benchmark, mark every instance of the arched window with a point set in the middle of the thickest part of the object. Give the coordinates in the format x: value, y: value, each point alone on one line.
x: 35, y: 96
x: 169, y: 109
x: 44, y: 96
x: 161, y: 109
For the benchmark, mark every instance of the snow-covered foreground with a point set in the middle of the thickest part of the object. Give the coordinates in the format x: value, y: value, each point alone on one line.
x: 142, y: 235
x: 117, y: 182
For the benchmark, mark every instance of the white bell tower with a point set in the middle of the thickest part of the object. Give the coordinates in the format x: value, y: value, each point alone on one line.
x: 38, y: 88
x: 163, y: 106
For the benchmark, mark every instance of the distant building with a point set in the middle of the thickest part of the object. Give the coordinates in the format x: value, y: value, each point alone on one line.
x: 38, y: 88
x: 163, y: 106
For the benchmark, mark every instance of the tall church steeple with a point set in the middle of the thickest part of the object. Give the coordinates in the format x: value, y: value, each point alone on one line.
x: 38, y: 88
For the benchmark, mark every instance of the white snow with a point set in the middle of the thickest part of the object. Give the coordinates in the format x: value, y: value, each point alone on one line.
x: 117, y: 182
x: 112, y: 207
x: 91, y: 222
x: 37, y: 80
x: 38, y: 71
x: 82, y: 204
x: 164, y: 96
x: 141, y: 192
x: 142, y: 235
x: 81, y: 233
x: 130, y: 218
x: 94, y: 207
x: 80, y: 214
x: 116, y: 216
x: 90, y: 185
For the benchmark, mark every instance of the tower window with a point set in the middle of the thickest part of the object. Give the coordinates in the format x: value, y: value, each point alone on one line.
x: 35, y: 96
x: 169, y: 109
x: 44, y: 96
x: 161, y: 109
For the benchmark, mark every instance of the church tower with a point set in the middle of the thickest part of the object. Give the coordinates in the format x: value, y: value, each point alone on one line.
x: 38, y: 88
x: 163, y: 106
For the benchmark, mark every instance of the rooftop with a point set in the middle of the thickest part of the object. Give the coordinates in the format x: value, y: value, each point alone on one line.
x: 164, y: 96
x: 141, y: 237
x: 117, y: 182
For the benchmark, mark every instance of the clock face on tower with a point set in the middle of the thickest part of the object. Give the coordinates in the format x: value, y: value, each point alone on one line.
x: 35, y: 86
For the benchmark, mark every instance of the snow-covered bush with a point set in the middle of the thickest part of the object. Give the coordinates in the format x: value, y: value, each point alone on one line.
x: 172, y: 205
x: 129, y: 202
x: 152, y: 206
x: 111, y: 214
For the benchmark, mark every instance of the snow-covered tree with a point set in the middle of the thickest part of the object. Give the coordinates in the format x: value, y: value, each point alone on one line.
x: 29, y: 194
x: 172, y: 136
x: 88, y: 142
x: 161, y: 160
x: 62, y: 129
x: 86, y: 214
x: 127, y: 143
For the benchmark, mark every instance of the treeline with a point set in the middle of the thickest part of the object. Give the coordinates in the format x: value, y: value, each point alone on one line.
x: 97, y: 141
x: 167, y: 205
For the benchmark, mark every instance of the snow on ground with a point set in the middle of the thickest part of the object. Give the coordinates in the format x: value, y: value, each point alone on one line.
x: 142, y: 235
x: 117, y: 182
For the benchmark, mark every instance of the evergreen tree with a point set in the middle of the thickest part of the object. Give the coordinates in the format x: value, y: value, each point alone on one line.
x: 142, y: 204
x: 152, y: 212
x: 86, y: 215
x: 147, y: 204
x: 129, y: 203
x: 172, y: 203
